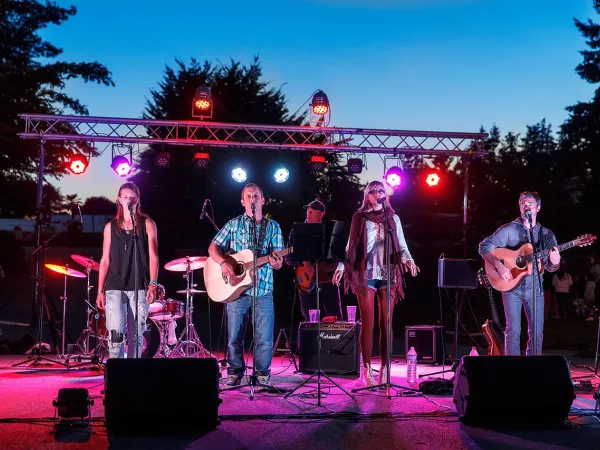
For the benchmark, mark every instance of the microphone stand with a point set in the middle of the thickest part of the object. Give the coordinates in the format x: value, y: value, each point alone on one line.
x: 210, y: 219
x: 39, y: 293
x: 536, y: 274
x: 135, y: 279
x: 388, y: 240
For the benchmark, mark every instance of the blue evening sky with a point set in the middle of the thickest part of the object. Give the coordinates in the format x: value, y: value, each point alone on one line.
x: 441, y: 65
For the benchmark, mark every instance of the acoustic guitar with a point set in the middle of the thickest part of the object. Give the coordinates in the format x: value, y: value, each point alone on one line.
x: 491, y: 329
x: 307, y: 283
x: 223, y: 289
x: 520, y: 262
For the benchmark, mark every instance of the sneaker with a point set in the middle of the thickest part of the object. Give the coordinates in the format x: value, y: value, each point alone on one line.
x: 368, y: 375
x: 383, y: 375
x: 234, y: 379
x: 265, y: 380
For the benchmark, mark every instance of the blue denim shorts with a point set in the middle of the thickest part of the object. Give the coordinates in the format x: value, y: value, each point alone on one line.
x: 378, y: 284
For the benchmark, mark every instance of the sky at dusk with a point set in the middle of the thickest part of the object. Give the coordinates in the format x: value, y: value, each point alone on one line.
x: 439, y: 65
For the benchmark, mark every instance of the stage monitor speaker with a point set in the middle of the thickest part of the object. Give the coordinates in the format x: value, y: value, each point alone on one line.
x: 339, y: 347
x: 458, y: 273
x: 428, y: 341
x: 513, y: 391
x: 161, y: 396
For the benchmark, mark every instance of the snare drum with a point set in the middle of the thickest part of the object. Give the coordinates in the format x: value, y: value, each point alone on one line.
x: 166, y: 310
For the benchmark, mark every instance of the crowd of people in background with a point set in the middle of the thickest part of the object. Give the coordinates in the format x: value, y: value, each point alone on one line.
x: 571, y: 295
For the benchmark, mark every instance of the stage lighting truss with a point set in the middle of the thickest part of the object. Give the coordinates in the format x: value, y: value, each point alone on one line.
x: 122, y: 159
x: 320, y: 110
x: 259, y: 137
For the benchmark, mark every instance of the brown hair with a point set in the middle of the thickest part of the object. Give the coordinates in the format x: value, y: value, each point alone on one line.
x: 368, y: 189
x: 120, y: 217
x: 252, y: 185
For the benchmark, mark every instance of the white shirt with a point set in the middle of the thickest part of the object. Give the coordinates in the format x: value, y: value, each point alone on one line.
x: 563, y: 285
x: 376, y: 248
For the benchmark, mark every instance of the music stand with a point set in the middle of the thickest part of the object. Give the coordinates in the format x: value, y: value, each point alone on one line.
x: 312, y: 243
x: 458, y: 274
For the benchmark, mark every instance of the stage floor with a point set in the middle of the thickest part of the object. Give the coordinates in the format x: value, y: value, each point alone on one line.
x: 269, y: 421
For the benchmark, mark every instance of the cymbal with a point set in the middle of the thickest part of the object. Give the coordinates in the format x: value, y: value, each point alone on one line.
x: 181, y: 264
x: 65, y: 270
x: 192, y: 292
x: 94, y: 265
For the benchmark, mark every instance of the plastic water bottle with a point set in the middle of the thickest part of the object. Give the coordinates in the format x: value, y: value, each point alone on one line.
x: 473, y: 351
x: 360, y: 367
x: 411, y: 366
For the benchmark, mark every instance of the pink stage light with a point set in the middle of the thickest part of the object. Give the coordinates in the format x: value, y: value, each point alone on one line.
x: 393, y: 177
x: 121, y: 166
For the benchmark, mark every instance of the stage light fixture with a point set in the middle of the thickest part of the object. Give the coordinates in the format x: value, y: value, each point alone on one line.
x: 281, y: 175
x: 73, y: 403
x: 77, y: 164
x: 201, y: 160
x: 317, y: 163
x: 320, y: 110
x: 433, y: 179
x: 202, y: 106
x: 121, y: 165
x: 163, y: 159
x: 238, y: 174
x: 354, y: 165
x: 393, y: 177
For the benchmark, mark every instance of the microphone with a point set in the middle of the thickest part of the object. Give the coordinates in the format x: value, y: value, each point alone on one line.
x: 76, y: 213
x: 528, y: 215
x: 203, y: 212
x: 253, y: 206
x: 130, y: 207
x: 79, y: 216
x: 381, y: 200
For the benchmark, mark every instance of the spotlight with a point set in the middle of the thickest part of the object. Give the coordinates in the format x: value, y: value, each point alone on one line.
x: 433, y: 179
x: 163, y: 159
x: 317, y: 163
x: 238, y: 174
x: 201, y: 160
x: 281, y: 175
x: 121, y: 166
x: 355, y: 165
x: 320, y: 103
x: 73, y: 403
x: 393, y: 177
x: 202, y: 106
x: 77, y: 164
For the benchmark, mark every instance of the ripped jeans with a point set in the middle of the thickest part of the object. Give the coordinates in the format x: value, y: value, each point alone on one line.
x: 120, y: 322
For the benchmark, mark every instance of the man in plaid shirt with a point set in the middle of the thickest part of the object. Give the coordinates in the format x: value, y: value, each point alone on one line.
x: 235, y: 236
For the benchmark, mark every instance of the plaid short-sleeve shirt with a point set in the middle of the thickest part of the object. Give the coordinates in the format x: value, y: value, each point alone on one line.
x: 236, y: 235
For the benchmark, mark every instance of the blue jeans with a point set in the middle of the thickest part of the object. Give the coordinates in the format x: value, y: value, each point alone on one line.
x: 238, y: 315
x: 513, y: 300
x: 120, y: 322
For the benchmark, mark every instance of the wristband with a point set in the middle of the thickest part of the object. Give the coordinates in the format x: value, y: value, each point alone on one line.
x: 223, y: 262
x: 154, y: 282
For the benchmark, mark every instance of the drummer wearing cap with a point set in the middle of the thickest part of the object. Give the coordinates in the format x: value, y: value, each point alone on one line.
x: 329, y: 295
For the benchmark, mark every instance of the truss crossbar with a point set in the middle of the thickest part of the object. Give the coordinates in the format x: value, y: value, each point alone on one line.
x: 333, y: 139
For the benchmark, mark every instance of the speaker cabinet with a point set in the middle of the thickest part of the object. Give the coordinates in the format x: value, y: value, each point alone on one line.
x: 457, y: 273
x: 427, y: 341
x: 339, y: 347
x: 161, y: 396
x: 518, y: 391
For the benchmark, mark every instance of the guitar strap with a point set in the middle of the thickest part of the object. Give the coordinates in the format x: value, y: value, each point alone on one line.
x: 261, y: 237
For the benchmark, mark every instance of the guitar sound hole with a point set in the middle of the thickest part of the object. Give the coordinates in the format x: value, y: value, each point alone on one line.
x: 238, y: 269
x: 520, y: 262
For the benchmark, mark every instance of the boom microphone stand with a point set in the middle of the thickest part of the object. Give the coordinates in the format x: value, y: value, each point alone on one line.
x: 388, y: 240
x: 316, y: 254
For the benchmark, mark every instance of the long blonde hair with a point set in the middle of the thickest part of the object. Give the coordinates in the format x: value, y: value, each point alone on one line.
x: 372, y: 186
x: 138, y: 214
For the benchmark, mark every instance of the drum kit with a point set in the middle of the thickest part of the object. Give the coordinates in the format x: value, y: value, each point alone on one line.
x: 163, y: 313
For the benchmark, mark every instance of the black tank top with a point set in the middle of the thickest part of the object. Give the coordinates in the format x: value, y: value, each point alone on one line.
x: 120, y: 270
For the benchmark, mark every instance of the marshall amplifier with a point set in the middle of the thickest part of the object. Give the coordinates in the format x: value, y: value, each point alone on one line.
x: 339, y: 347
x: 427, y: 341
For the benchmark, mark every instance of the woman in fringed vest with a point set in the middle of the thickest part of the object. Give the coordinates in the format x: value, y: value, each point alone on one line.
x: 365, y: 270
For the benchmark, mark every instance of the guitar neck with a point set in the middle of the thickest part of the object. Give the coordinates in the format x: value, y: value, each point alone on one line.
x: 265, y: 259
x: 561, y: 247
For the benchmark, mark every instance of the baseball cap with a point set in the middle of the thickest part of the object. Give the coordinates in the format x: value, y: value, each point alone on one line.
x: 316, y: 205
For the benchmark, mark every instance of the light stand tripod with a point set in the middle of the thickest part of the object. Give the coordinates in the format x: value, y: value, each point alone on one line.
x: 39, y: 294
x: 595, y: 369
x: 310, y: 239
x: 388, y: 249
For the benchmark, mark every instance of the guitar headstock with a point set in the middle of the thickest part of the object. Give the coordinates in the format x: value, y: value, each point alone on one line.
x: 483, y: 279
x: 585, y: 239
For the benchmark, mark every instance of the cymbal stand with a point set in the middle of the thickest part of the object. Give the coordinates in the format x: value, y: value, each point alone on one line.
x: 64, y: 316
x: 190, y: 345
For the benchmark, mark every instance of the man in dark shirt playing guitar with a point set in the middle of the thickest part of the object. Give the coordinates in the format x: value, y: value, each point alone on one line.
x: 304, y: 275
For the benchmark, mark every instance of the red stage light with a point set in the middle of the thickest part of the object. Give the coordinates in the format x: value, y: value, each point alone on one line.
x: 201, y: 160
x: 433, y: 179
x: 202, y: 106
x: 320, y: 103
x: 317, y: 162
x: 77, y: 164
